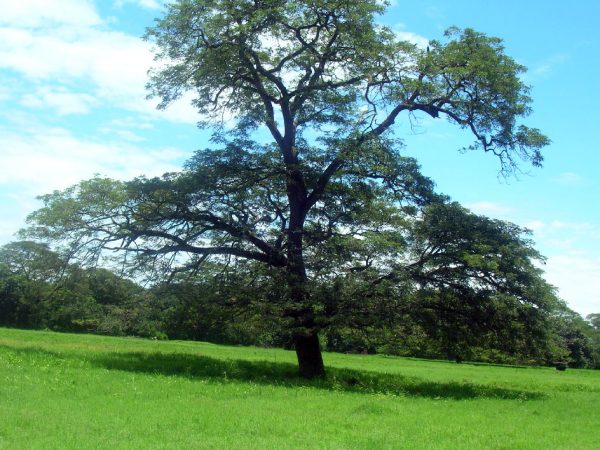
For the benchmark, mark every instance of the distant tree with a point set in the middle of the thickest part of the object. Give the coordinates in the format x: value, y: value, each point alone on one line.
x: 30, y: 271
x: 576, y: 336
x: 39, y: 289
x: 101, y: 301
x: 226, y: 304
x: 11, y: 295
x: 594, y: 321
x: 327, y: 84
x: 32, y: 260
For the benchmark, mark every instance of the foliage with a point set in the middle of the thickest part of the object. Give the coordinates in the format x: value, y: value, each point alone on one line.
x: 478, y: 284
x: 593, y: 331
x: 457, y: 285
x: 579, y: 338
x: 359, y: 313
x: 39, y: 289
x: 327, y: 84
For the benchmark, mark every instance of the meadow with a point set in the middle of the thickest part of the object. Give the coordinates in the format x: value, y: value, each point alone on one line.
x: 68, y: 391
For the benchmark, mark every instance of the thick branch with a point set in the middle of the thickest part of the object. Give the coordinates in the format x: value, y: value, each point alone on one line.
x: 181, y: 245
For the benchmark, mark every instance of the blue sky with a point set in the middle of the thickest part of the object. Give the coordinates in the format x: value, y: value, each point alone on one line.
x: 72, y: 104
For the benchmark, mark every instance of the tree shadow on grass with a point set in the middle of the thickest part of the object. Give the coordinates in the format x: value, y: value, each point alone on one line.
x: 285, y: 374
x: 195, y: 366
x: 467, y: 363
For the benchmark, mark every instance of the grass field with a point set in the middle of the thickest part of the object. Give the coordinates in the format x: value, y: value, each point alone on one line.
x: 65, y: 391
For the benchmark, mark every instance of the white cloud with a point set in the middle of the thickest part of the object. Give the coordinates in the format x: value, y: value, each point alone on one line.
x: 535, y: 225
x: 37, y: 159
x: 578, y: 278
x: 41, y: 13
x: 149, y: 4
x: 571, y: 249
x: 4, y: 94
x: 52, y: 158
x: 491, y: 209
x: 125, y: 135
x: 112, y: 66
x: 572, y: 262
x: 414, y: 38
x: 570, y: 179
x: 130, y: 123
x: 7, y: 87
x: 13, y: 211
x: 114, y: 62
x: 571, y: 226
x: 9, y: 226
x: 545, y: 68
x: 60, y: 57
x: 560, y: 226
x: 59, y: 99
x: 403, y: 34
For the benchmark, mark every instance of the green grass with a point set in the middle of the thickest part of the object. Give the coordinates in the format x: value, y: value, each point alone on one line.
x: 65, y: 391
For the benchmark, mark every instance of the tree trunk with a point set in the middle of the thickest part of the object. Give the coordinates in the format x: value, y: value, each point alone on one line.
x: 305, y: 331
x: 310, y: 360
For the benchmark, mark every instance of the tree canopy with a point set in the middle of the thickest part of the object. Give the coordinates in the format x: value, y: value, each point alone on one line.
x: 328, y: 192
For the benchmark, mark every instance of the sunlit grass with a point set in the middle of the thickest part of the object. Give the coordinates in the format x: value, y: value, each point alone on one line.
x: 83, y: 391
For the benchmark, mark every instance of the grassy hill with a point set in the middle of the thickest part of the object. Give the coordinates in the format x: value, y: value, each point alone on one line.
x: 82, y: 391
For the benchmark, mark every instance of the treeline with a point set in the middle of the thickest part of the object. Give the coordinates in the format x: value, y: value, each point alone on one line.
x: 242, y: 304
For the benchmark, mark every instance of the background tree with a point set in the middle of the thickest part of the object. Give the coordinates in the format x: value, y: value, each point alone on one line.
x: 39, y: 289
x: 30, y: 271
x: 594, y: 321
x: 12, y: 289
x: 327, y: 84
x: 576, y: 336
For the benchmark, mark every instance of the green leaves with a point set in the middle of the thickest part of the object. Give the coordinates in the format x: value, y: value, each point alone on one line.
x: 326, y: 195
x: 326, y: 69
x: 472, y: 82
x: 453, y: 245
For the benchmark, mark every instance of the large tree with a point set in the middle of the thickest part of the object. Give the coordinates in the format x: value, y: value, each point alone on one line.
x: 303, y: 96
